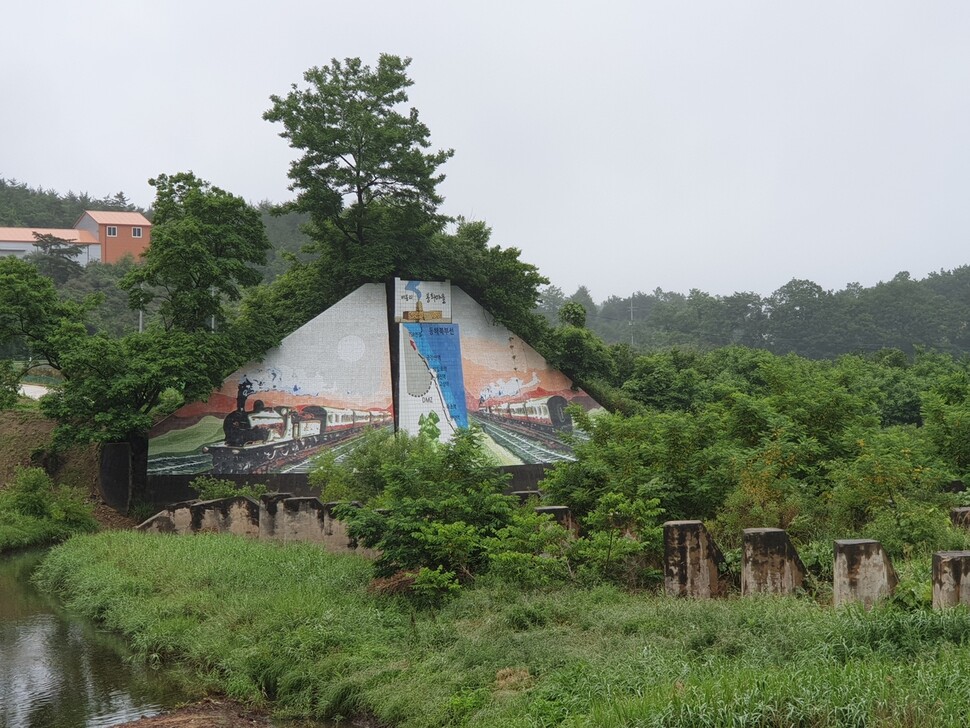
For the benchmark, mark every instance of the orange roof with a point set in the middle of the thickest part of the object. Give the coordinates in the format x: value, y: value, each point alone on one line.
x: 26, y: 235
x: 109, y: 217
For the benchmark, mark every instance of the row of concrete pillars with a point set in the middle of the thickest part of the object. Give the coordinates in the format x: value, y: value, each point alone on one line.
x: 863, y: 572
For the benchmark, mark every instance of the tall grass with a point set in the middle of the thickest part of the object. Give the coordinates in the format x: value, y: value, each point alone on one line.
x: 296, y: 628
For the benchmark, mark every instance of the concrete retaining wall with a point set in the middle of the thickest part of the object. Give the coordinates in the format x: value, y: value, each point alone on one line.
x: 276, y: 517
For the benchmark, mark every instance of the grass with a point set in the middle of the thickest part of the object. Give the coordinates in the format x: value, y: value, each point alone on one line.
x: 296, y: 629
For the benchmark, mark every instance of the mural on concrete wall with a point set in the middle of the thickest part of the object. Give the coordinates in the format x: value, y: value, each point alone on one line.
x: 330, y: 382
x: 430, y: 378
x: 322, y: 388
x: 511, y: 392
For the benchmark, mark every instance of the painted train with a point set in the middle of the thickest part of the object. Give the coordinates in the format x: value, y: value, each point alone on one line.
x: 265, y: 437
x: 543, y: 414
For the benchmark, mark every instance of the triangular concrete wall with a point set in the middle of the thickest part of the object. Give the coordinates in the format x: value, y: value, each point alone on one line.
x: 336, y: 377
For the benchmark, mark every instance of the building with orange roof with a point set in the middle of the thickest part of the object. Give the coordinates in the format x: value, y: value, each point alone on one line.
x: 103, y: 235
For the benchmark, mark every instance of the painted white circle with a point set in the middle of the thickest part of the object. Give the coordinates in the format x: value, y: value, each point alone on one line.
x: 350, y: 348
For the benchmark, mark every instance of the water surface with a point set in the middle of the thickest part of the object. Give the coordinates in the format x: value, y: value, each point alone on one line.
x: 58, y: 671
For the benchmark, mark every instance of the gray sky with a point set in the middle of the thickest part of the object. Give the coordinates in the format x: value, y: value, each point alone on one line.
x: 725, y: 146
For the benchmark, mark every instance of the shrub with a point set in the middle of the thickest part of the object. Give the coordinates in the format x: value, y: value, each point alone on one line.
x: 211, y: 488
x: 35, y: 511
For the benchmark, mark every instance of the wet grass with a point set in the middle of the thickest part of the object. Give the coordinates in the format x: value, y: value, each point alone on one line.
x: 296, y: 628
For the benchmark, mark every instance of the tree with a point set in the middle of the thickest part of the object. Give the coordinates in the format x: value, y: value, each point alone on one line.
x: 364, y: 176
x: 56, y: 257
x: 206, y: 243
x: 30, y: 311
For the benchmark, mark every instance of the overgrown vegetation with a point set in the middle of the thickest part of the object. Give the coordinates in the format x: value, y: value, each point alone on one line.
x: 35, y: 511
x: 297, y: 629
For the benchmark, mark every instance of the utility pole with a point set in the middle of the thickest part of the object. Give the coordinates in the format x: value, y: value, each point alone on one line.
x: 631, y: 321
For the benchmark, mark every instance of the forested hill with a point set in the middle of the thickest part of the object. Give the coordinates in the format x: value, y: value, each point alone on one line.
x: 22, y: 206
x: 799, y: 317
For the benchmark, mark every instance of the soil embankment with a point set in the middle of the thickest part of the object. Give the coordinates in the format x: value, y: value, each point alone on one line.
x: 25, y: 441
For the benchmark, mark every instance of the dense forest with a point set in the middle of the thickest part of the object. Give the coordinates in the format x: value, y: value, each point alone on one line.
x: 799, y: 317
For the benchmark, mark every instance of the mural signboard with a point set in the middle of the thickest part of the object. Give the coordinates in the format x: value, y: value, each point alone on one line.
x: 416, y: 301
x: 330, y: 381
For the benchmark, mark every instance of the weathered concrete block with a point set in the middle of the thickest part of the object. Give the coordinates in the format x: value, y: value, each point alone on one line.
x: 300, y: 519
x: 863, y: 572
x: 269, y: 505
x: 951, y: 578
x: 960, y: 517
x: 176, y: 518
x: 337, y: 539
x: 693, y: 564
x: 238, y: 515
x: 563, y: 516
x: 770, y: 564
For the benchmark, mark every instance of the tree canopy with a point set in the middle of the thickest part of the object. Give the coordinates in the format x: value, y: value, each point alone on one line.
x: 364, y: 176
x: 206, y: 244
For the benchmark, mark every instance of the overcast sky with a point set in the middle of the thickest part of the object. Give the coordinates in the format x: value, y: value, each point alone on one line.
x: 725, y: 146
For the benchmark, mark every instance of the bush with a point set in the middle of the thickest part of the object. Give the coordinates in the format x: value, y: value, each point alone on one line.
x: 34, y: 511
x: 442, y: 500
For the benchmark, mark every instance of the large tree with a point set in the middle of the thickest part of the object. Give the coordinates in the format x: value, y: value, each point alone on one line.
x: 364, y: 176
x: 206, y: 244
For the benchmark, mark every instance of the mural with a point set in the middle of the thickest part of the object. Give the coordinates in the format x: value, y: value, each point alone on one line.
x: 511, y: 392
x: 430, y: 377
x: 324, y: 386
x: 330, y: 382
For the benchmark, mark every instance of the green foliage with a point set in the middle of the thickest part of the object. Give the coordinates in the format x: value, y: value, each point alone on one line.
x: 206, y: 243
x: 441, y: 500
x: 358, y: 147
x: 531, y: 551
x: 432, y: 588
x: 23, y: 206
x: 9, y: 385
x: 55, y: 257
x: 572, y: 314
x: 744, y: 438
x: 360, y: 476
x: 211, y: 488
x: 34, y: 511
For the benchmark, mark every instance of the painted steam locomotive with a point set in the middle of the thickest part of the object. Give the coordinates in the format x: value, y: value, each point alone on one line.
x: 544, y: 414
x: 265, y: 437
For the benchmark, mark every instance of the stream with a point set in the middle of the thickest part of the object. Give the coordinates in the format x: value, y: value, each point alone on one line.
x: 59, y: 671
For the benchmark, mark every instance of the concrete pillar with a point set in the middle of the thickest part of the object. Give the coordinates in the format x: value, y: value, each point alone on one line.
x: 692, y: 562
x: 563, y: 516
x: 269, y: 504
x: 770, y: 564
x: 960, y: 517
x: 951, y: 578
x: 238, y: 515
x: 862, y: 572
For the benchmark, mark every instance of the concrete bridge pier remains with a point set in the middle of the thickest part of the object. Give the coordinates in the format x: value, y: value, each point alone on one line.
x: 770, y: 564
x: 862, y: 573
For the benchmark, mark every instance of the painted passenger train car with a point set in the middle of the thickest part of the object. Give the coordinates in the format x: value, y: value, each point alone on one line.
x: 543, y: 414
